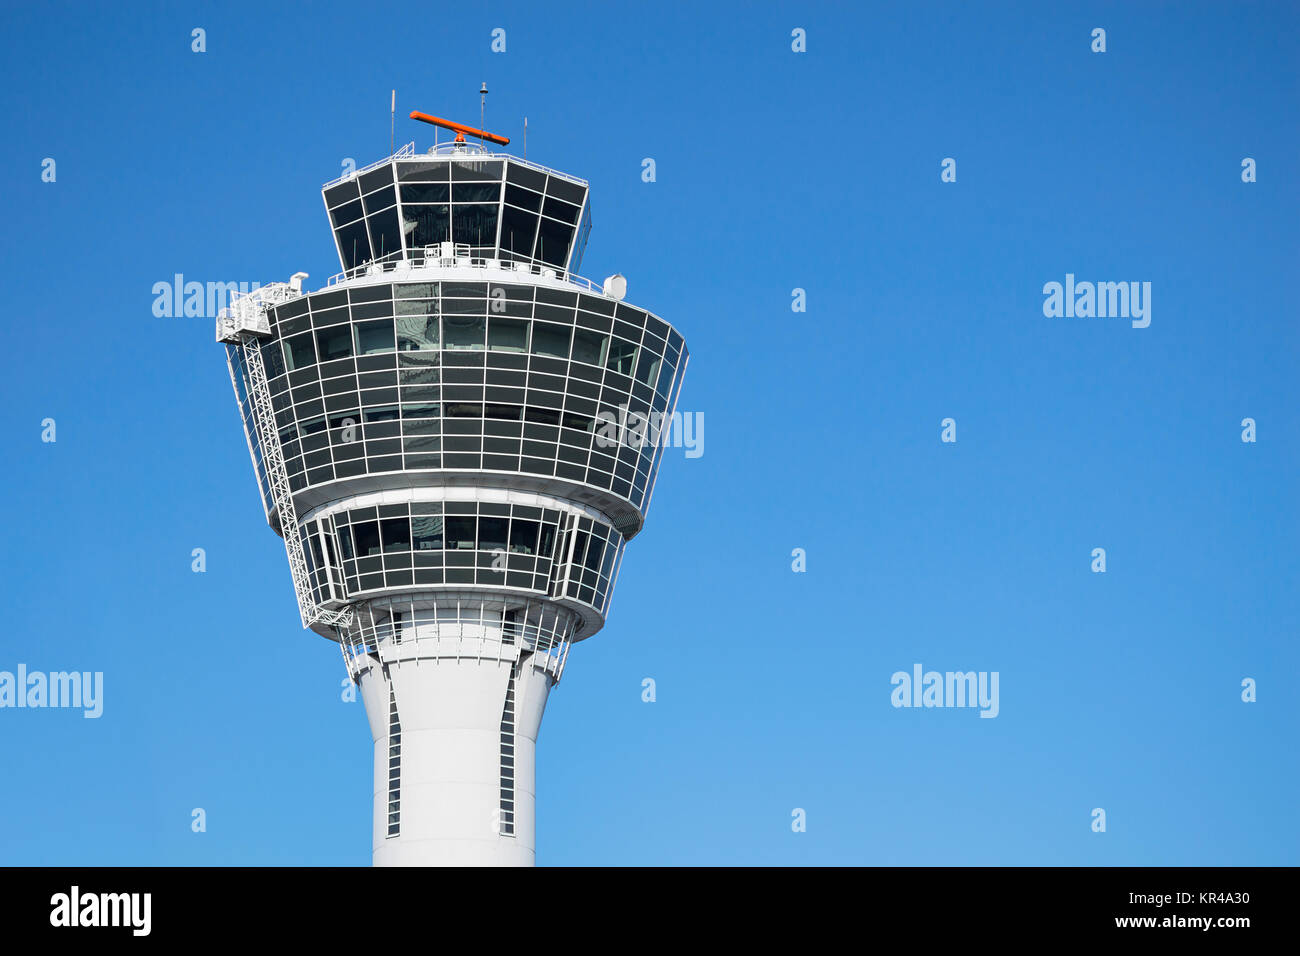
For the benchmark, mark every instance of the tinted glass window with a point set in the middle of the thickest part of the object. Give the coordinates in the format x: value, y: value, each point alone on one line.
x: 374, y: 337
x: 376, y: 178
x: 647, y: 370
x: 342, y: 193
x: 425, y: 192
x: 523, y: 198
x: 334, y: 342
x: 560, y: 210
x: 526, y: 177
x: 464, y: 331
x: 589, y: 347
x: 474, y: 224
x: 365, y: 537
x: 621, y: 354
x: 475, y: 170
x: 298, y: 352
x: 420, y: 171
x: 348, y: 212
x: 427, y: 225
x: 385, y: 237
x: 553, y: 242
x: 569, y: 192
x: 397, y: 534
x: 417, y: 333
x: 518, y: 229
x: 508, y: 335
x: 547, y: 545
x: 427, y: 533
x: 476, y: 192
x: 460, y: 533
x: 354, y: 244
x: 523, y: 536
x: 492, y: 533
x: 550, y: 340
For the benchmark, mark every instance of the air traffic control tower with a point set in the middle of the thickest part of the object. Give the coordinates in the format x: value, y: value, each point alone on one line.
x: 431, y: 433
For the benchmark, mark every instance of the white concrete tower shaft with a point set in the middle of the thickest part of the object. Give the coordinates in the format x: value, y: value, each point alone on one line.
x: 455, y: 710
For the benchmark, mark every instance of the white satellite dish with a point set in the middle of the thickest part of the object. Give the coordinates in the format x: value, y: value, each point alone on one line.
x: 615, y: 287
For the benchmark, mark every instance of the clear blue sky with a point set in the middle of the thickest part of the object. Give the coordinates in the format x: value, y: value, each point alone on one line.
x: 775, y: 171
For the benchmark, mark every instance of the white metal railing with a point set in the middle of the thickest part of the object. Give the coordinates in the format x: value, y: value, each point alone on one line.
x: 462, y: 260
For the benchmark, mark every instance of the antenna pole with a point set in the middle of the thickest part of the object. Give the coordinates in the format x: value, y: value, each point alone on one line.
x: 392, y: 125
x: 525, y: 137
x: 482, y: 103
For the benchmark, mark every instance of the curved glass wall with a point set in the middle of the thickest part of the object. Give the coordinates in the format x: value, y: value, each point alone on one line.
x: 472, y: 376
x: 420, y: 544
x: 501, y: 208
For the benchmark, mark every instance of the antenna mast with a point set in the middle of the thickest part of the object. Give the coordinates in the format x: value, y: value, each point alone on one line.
x: 482, y: 103
x: 392, y: 124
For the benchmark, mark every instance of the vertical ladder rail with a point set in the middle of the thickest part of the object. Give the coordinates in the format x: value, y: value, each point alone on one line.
x: 250, y: 337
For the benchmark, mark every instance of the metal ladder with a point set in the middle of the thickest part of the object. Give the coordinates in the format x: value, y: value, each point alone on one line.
x: 246, y: 325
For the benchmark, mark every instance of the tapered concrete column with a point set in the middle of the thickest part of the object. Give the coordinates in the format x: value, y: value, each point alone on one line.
x: 448, y: 755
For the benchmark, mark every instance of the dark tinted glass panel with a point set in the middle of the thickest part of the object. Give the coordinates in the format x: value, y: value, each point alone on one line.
x: 474, y: 224
x: 298, y: 352
x: 422, y: 171
x: 417, y: 333
x: 550, y: 340
x: 464, y: 331
x: 374, y: 337
x: 553, y: 242
x: 569, y: 192
x: 396, y: 533
x: 526, y: 177
x: 560, y: 210
x: 476, y: 170
x: 547, y: 544
x: 621, y: 354
x: 354, y: 244
x: 385, y: 236
x: 518, y: 229
x: 342, y: 193
x: 476, y: 192
x: 426, y: 533
x: 424, y: 192
x: 334, y: 342
x: 492, y: 533
x: 524, y: 198
x: 507, y: 335
x: 523, y: 536
x: 349, y: 212
x: 375, y: 178
x: 460, y: 533
x: 647, y: 369
x: 365, y: 538
x: 589, y: 347
x: 432, y: 225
